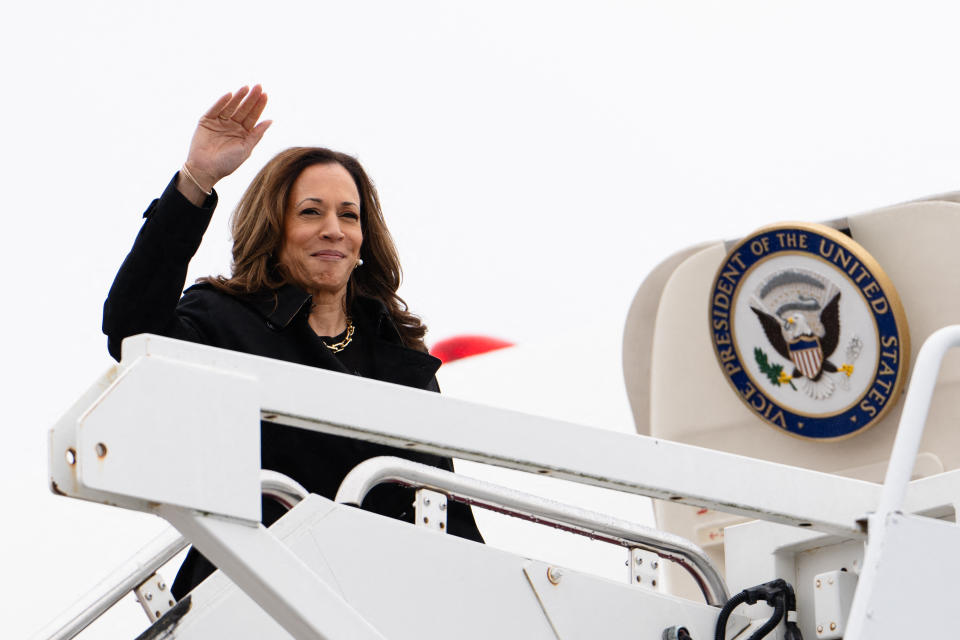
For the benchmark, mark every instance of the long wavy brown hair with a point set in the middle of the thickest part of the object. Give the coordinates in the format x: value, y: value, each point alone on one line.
x: 257, y: 229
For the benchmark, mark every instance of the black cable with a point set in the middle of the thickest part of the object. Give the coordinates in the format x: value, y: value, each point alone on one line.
x: 771, y: 624
x: 793, y: 631
x: 778, y: 594
x: 732, y: 603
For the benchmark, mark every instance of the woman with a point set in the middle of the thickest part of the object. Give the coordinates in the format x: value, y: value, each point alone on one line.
x: 314, y: 281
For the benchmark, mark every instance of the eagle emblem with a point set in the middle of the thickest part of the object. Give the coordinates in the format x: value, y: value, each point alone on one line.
x: 808, y: 330
x: 799, y: 311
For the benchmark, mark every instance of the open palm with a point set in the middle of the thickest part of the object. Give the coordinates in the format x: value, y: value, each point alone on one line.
x: 226, y: 135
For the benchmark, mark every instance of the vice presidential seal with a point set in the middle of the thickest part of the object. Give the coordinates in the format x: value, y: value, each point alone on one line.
x: 809, y: 331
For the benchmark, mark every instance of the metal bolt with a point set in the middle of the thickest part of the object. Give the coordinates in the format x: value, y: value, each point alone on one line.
x: 149, y: 596
x: 639, y: 560
x: 833, y: 626
x: 818, y: 583
x: 554, y: 574
x: 426, y: 502
x: 819, y: 628
x: 443, y: 506
x: 162, y: 586
x: 654, y: 564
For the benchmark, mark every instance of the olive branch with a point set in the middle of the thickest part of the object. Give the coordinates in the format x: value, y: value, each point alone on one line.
x: 773, y: 372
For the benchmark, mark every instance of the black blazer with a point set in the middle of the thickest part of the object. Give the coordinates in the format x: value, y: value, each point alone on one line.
x: 146, y: 298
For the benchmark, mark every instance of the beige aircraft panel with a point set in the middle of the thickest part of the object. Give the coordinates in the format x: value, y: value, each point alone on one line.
x: 677, y: 391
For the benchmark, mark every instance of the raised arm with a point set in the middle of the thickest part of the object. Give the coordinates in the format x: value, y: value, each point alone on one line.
x: 148, y: 286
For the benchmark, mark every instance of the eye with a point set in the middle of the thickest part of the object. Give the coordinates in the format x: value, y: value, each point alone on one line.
x: 353, y: 215
x: 310, y: 212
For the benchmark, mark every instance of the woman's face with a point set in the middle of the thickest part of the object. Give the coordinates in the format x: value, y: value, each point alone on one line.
x: 321, y: 229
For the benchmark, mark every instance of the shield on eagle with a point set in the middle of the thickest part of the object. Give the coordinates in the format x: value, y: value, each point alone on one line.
x: 807, y: 355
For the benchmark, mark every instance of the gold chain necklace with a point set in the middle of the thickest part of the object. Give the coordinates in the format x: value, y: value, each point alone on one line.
x: 340, y: 346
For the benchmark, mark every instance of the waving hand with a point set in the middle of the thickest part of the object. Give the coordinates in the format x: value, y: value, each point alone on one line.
x: 225, y: 136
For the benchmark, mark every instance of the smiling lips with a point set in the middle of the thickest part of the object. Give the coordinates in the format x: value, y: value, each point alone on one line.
x: 328, y: 254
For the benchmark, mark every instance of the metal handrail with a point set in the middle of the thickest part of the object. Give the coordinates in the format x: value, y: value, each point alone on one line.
x: 916, y: 406
x: 284, y: 489
x: 146, y: 562
x: 114, y: 587
x: 903, y: 456
x: 375, y: 471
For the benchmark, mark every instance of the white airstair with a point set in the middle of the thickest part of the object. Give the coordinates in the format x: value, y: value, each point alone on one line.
x: 174, y: 430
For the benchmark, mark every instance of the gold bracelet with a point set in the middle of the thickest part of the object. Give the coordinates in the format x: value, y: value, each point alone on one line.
x: 187, y: 173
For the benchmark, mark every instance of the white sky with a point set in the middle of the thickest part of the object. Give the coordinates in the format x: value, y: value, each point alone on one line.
x: 535, y: 161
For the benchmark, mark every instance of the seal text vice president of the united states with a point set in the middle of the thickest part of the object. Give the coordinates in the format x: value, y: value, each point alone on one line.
x: 314, y: 281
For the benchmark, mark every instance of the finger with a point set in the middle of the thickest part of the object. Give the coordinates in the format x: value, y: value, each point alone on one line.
x: 259, y: 130
x: 255, y: 112
x: 231, y: 105
x: 214, y: 111
x: 247, y: 105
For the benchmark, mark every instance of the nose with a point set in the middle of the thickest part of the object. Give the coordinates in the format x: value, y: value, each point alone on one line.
x: 330, y: 229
